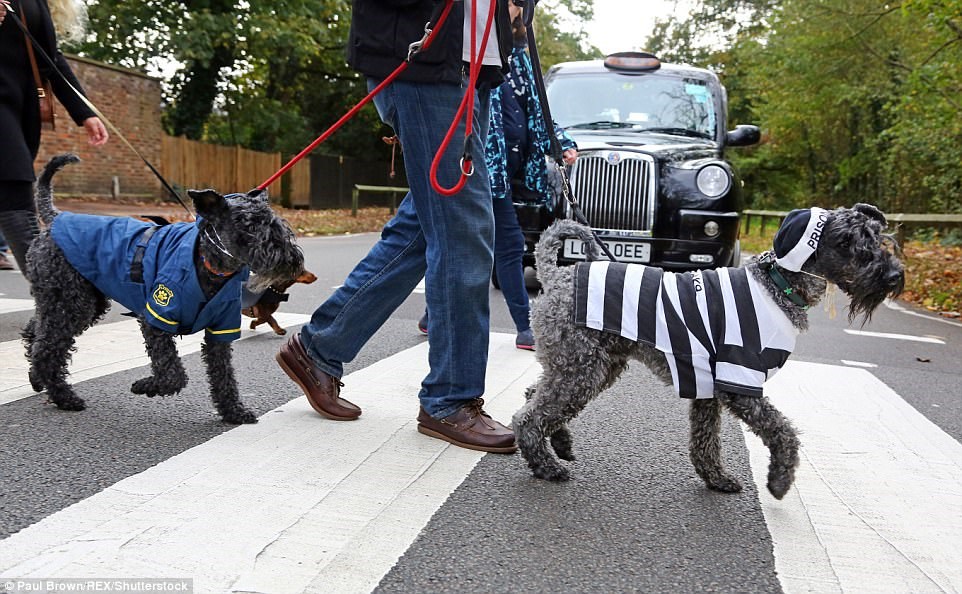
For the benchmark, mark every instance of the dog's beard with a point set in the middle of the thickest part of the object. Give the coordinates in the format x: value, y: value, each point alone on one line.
x: 864, y: 304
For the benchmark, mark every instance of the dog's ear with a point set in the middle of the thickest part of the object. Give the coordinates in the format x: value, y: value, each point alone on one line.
x: 871, y: 212
x: 258, y: 194
x: 306, y: 277
x: 207, y: 202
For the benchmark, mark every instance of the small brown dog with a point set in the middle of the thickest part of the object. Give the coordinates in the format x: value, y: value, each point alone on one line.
x: 270, y: 300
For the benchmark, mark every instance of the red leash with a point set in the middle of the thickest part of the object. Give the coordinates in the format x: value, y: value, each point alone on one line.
x: 465, y: 110
x: 414, y: 48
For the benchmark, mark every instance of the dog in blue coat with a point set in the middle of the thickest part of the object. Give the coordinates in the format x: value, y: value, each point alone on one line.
x: 177, y: 279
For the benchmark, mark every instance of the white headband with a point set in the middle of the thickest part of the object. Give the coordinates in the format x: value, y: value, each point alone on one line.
x: 800, y: 246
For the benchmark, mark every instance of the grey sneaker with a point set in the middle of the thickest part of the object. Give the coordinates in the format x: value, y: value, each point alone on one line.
x: 525, y: 340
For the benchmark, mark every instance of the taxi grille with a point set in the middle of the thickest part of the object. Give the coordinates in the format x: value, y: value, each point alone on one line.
x: 619, y: 196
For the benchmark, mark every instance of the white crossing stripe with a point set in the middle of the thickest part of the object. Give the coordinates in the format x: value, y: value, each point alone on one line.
x: 106, y: 349
x: 857, y: 363
x: 8, y: 305
x: 877, y: 502
x: 292, y: 504
x: 909, y: 337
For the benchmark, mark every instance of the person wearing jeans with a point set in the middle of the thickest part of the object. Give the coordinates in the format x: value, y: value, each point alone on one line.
x: 515, y: 151
x: 447, y: 240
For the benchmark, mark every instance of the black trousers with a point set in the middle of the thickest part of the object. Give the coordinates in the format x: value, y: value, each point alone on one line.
x: 16, y: 195
x: 18, y: 217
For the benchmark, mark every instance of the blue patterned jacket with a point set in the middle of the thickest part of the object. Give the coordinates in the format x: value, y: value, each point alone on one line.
x: 517, y: 138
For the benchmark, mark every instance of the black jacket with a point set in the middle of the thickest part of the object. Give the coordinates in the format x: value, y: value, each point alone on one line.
x: 19, y: 109
x: 382, y: 30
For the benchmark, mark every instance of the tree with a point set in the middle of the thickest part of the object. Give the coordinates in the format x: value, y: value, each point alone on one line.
x: 560, y: 34
x: 256, y: 58
x: 270, y: 76
x: 857, y: 99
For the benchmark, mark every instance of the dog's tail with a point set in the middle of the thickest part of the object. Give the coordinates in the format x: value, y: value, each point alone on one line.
x: 45, y: 207
x: 552, y: 240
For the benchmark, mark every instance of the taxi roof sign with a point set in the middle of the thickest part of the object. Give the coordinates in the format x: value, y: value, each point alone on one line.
x: 632, y: 62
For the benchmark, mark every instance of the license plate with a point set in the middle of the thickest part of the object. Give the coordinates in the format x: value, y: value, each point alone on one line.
x: 623, y: 251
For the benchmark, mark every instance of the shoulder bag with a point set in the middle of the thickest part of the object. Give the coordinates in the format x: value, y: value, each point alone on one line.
x: 44, y: 90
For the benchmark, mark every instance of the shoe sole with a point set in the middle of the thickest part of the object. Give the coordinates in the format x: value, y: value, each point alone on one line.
x: 493, y: 450
x: 290, y: 373
x: 524, y: 347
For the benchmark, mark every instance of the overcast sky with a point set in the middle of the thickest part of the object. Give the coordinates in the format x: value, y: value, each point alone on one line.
x: 623, y: 25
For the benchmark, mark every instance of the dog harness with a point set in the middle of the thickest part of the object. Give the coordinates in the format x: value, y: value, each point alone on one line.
x: 718, y: 329
x: 112, y: 252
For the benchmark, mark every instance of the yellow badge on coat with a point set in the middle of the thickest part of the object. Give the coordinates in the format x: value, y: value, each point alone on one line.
x: 162, y: 295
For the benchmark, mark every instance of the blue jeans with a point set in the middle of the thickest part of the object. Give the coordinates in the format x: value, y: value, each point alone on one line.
x: 446, y: 240
x: 508, y: 250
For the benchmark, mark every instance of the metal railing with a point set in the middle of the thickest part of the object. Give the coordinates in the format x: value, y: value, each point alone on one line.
x: 394, y: 191
x: 900, y: 223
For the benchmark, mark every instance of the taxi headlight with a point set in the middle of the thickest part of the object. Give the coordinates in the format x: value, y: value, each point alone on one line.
x: 713, y: 181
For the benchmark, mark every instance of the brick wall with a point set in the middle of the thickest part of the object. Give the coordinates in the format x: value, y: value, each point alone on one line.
x: 132, y: 101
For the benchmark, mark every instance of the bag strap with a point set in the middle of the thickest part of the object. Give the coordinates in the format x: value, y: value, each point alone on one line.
x: 555, y: 144
x: 33, y: 60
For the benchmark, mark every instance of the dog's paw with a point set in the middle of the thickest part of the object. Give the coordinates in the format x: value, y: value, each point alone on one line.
x: 143, y: 386
x: 150, y: 387
x: 69, y: 403
x: 240, y: 416
x: 724, y: 484
x: 555, y: 474
x: 562, y: 446
x: 35, y: 383
x: 779, y: 484
x: 280, y: 332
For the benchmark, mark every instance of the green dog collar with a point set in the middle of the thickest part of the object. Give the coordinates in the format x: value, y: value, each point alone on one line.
x: 783, y: 285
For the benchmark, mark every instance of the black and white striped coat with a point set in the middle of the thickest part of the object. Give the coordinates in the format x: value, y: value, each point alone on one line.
x: 718, y: 329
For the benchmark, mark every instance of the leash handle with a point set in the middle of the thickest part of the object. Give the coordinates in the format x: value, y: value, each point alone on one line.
x: 466, y: 164
x: 430, y: 33
x: 53, y: 65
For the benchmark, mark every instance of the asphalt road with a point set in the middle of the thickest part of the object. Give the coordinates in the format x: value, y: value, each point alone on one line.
x: 635, y: 517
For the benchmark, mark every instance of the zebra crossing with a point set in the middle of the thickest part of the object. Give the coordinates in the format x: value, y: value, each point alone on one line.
x: 331, y: 507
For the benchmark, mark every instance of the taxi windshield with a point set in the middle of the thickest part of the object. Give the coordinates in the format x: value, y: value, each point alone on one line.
x: 654, y: 103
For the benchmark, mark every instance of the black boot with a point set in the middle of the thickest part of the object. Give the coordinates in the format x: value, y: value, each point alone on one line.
x: 19, y: 227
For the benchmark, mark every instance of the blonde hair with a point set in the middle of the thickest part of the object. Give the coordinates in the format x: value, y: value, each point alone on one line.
x: 69, y: 19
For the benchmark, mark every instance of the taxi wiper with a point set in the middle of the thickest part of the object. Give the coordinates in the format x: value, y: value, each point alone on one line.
x: 601, y: 125
x: 678, y: 132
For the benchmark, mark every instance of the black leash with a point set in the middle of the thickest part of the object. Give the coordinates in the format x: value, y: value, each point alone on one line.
x: 36, y: 44
x: 557, y: 155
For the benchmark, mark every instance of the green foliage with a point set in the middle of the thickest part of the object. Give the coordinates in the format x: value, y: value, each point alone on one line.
x: 270, y: 76
x: 857, y: 99
x: 560, y: 34
x: 266, y: 75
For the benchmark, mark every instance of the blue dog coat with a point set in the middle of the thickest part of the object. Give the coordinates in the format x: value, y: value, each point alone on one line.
x: 169, y: 297
x: 718, y: 329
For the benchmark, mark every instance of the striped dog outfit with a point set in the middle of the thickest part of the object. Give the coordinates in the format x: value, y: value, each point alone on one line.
x: 718, y: 329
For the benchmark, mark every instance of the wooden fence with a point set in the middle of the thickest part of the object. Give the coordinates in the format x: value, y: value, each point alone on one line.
x: 193, y: 164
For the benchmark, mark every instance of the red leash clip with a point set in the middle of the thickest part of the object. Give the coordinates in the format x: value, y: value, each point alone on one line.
x: 466, y: 164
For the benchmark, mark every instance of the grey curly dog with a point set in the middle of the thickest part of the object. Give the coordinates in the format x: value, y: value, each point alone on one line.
x: 715, y: 335
x: 177, y: 279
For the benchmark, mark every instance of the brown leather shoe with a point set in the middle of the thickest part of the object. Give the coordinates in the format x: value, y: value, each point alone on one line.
x: 470, y: 427
x: 322, y: 390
